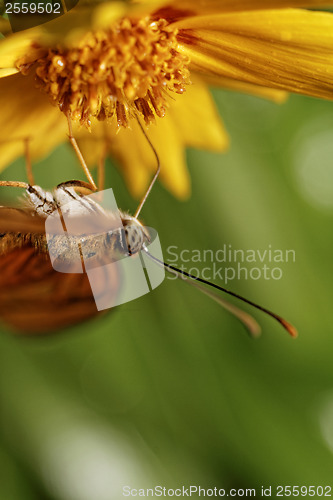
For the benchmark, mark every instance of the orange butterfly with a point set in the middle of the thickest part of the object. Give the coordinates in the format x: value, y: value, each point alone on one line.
x: 36, y: 299
x: 33, y: 296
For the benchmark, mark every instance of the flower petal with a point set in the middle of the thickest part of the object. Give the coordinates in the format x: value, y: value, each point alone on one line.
x: 206, y: 6
x: 105, y: 13
x: 171, y: 150
x: 284, y: 49
x: 135, y: 161
x: 138, y: 162
x: 277, y: 96
x: 191, y: 120
x: 67, y: 28
x: 26, y: 113
x: 197, y: 120
x: 15, y: 46
x: 7, y: 72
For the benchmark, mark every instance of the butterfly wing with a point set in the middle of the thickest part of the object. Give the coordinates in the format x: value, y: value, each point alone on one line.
x: 15, y: 220
x: 34, y: 298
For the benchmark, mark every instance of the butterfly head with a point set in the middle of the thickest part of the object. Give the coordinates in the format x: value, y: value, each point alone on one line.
x: 135, y: 234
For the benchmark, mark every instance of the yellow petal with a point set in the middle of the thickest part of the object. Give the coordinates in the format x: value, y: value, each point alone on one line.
x: 82, y: 18
x: 277, y: 96
x: 106, y: 13
x: 267, y: 48
x: 191, y: 120
x: 170, y: 148
x: 7, y: 72
x: 67, y: 29
x: 26, y: 112
x: 206, y: 6
x: 136, y: 159
x: 92, y: 144
x: 290, y: 26
x: 197, y: 119
x: 15, y: 46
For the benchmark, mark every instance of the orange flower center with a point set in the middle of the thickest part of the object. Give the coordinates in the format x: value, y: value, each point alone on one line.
x: 127, y: 69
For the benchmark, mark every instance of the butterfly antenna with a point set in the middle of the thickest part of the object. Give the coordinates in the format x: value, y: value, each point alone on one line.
x: 251, y: 325
x: 174, y: 270
x: 18, y: 184
x: 158, y: 168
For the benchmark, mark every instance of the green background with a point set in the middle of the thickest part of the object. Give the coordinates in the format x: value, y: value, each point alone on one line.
x: 169, y: 389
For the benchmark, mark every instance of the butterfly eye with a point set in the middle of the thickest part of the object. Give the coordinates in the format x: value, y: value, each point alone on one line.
x: 134, y: 237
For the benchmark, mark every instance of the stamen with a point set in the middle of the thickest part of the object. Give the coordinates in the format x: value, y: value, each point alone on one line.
x: 129, y: 68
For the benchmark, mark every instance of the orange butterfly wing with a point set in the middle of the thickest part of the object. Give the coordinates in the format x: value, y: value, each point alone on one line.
x: 34, y: 298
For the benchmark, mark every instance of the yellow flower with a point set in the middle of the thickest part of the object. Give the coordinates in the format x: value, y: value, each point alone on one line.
x: 107, y: 64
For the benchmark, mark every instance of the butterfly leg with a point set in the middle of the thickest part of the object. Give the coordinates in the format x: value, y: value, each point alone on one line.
x: 80, y: 156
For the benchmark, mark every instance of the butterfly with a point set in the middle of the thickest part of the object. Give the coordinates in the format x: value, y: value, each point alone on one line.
x: 35, y: 298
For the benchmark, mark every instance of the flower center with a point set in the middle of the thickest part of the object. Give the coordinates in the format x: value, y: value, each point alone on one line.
x: 127, y: 69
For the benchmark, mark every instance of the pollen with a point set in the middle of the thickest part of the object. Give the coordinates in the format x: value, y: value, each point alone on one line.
x: 132, y: 68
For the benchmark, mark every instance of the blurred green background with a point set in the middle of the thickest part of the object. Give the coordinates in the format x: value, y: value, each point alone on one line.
x: 169, y: 389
